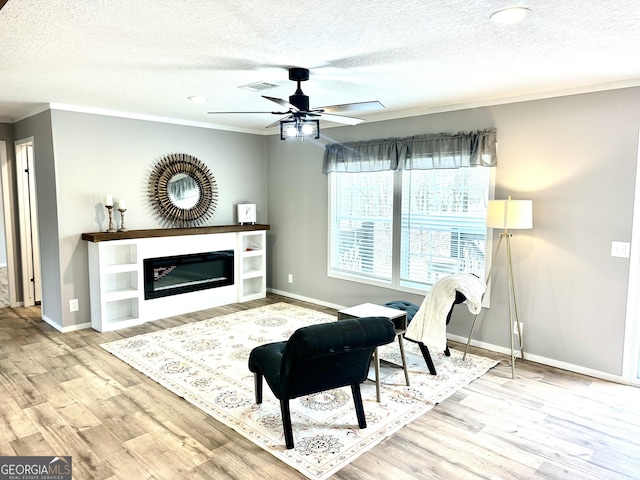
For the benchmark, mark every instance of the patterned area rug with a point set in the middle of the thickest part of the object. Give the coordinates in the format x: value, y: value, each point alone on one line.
x: 206, y: 363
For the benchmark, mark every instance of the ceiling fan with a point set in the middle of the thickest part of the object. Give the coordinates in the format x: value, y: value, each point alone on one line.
x: 298, y: 110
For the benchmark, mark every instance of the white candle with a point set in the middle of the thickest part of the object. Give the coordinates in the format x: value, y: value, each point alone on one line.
x: 108, y: 201
x: 122, y: 205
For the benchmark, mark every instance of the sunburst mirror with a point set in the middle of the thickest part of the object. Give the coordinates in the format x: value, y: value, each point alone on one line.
x: 182, y: 190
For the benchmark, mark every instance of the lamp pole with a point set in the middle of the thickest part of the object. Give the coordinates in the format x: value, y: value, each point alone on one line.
x: 498, y: 216
x: 513, y: 305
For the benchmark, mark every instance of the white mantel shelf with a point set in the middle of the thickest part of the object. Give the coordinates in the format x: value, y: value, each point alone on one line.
x: 171, y: 232
x: 116, y: 271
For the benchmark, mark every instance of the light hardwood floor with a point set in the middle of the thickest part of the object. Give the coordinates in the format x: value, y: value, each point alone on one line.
x: 4, y: 287
x: 61, y: 394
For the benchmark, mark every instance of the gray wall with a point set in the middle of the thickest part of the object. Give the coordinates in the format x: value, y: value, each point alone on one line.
x: 6, y: 130
x: 39, y: 127
x: 574, y: 156
x: 6, y: 134
x: 97, y: 155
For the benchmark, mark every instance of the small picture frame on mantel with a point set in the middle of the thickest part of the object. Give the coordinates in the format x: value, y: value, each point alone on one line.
x: 246, y: 213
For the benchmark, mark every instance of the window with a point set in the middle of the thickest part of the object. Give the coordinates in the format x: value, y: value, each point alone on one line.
x: 361, y: 209
x: 442, y: 224
x: 431, y: 221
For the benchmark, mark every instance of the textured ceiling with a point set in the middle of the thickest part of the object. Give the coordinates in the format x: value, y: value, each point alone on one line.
x: 145, y: 57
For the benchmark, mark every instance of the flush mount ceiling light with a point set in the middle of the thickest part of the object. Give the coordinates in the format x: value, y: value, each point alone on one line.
x: 510, y: 15
x: 299, y: 128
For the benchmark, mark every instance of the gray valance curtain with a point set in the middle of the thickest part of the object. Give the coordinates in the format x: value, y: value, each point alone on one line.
x: 365, y: 156
x: 420, y: 152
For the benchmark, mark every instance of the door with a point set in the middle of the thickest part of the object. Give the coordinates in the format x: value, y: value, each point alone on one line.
x: 28, y: 221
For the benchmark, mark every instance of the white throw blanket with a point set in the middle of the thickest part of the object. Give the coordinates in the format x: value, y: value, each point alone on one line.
x: 429, y: 325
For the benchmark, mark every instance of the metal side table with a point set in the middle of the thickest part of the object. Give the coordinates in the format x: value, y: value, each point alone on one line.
x: 399, y: 319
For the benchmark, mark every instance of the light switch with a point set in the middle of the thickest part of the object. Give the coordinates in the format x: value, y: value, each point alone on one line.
x: 620, y: 249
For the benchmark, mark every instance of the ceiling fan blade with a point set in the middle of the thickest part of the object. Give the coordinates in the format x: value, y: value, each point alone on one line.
x: 351, y: 107
x: 283, y: 103
x: 274, y: 113
x: 341, y: 119
x: 277, y: 122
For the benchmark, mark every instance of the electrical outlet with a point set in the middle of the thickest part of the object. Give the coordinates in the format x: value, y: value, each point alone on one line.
x: 290, y: 279
x: 516, y: 332
x: 73, y: 305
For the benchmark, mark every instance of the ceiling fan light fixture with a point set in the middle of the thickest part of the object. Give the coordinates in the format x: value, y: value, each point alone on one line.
x: 298, y: 109
x: 297, y: 128
x: 308, y: 129
x: 510, y: 15
x: 290, y: 131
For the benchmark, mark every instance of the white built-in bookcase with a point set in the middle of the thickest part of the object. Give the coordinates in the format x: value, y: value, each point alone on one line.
x: 117, y: 282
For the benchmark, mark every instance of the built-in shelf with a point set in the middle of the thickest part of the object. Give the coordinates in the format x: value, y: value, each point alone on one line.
x: 251, y: 265
x: 117, y: 279
x: 113, y: 275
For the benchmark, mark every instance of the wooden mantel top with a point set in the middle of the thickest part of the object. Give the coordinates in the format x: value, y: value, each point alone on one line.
x: 170, y: 232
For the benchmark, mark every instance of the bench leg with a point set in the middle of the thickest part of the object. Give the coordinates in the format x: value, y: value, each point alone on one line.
x: 286, y: 423
x: 257, y: 381
x: 357, y: 401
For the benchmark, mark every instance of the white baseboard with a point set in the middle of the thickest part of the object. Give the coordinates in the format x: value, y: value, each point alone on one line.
x: 62, y: 329
x: 488, y: 346
x: 306, y: 299
x: 543, y: 360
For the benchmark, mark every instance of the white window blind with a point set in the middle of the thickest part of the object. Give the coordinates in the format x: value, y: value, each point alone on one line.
x: 439, y: 225
x: 361, y: 229
x: 443, y: 224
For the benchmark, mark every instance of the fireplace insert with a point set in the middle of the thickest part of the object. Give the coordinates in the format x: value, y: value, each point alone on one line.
x: 167, y: 276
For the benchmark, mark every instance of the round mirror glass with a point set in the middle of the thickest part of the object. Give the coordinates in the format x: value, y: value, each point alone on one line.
x: 183, y: 191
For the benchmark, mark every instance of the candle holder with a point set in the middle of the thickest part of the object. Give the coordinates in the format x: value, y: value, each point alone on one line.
x: 122, y: 227
x: 110, y: 210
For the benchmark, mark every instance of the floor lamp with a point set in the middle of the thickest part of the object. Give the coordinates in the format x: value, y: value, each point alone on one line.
x: 507, y: 215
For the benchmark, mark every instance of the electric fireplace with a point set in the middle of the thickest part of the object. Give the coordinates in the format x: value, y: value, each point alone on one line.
x: 165, y: 276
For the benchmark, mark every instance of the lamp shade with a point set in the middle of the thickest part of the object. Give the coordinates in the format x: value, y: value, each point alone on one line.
x: 510, y: 214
